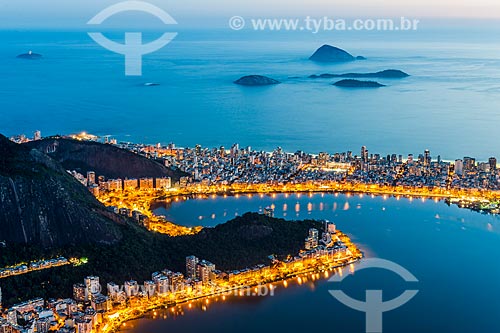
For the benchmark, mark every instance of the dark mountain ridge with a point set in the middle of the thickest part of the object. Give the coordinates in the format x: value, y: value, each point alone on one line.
x: 106, y: 160
x: 41, y: 204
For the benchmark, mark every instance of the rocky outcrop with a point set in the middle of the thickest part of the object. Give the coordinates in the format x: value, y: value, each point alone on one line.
x: 328, y: 53
x: 358, y: 84
x: 42, y: 205
x: 256, y: 81
x: 387, y: 74
x: 106, y: 160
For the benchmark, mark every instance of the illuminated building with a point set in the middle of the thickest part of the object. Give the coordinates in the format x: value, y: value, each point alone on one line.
x: 79, y: 292
x: 163, y: 183
x: 146, y: 183
x: 149, y: 288
x: 330, y: 227
x: 493, y: 163
x: 83, y: 325
x: 113, y: 290
x: 131, y: 288
x: 205, y: 270
x: 130, y: 184
x: 92, y: 287
x: 191, y: 267
x: 90, y: 178
x: 459, y: 167
x: 268, y: 211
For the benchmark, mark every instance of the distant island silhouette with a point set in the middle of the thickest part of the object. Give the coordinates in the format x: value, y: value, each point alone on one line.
x: 386, y: 74
x: 256, y: 81
x: 349, y: 83
x: 332, y: 54
x: 30, y: 55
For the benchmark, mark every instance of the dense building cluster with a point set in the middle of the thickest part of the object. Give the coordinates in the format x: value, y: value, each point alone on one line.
x: 243, y: 165
x: 94, y: 309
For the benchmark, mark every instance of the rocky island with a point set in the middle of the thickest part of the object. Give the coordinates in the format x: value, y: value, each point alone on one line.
x: 256, y: 81
x: 358, y: 84
x: 386, y: 74
x: 332, y: 54
x: 30, y: 56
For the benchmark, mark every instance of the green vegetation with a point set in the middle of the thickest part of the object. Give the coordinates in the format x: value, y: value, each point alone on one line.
x: 241, y: 242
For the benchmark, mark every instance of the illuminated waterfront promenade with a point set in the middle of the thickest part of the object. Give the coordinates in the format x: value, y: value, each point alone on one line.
x: 142, y: 201
x: 262, y: 282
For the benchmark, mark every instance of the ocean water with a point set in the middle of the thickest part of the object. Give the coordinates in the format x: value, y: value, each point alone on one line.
x: 449, y: 104
x: 451, y: 251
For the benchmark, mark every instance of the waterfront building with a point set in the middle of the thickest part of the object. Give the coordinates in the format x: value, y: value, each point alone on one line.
x: 131, y: 288
x: 191, y: 267
x: 330, y: 227
x: 161, y: 285
x: 163, y: 183
x: 149, y: 288
x: 146, y: 183
x: 92, y: 287
x: 269, y: 211
x: 205, y: 270
x: 130, y: 184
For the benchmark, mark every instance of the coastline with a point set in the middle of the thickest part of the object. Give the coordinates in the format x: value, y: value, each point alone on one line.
x: 143, y: 200
x: 119, y: 318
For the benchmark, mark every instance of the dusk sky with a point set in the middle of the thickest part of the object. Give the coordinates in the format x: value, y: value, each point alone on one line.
x: 33, y: 13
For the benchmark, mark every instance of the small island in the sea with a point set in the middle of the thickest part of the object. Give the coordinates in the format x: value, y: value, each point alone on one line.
x: 357, y: 84
x: 30, y: 55
x: 332, y: 54
x: 386, y: 74
x: 256, y: 81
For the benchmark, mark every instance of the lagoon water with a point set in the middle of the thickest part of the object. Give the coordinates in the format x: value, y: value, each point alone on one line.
x: 449, y: 104
x: 452, y: 252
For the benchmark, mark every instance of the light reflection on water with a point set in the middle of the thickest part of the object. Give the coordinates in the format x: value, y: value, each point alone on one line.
x: 433, y: 241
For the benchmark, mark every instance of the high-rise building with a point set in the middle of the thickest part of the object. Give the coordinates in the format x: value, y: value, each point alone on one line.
x: 90, y: 178
x: 330, y: 227
x: 113, y: 290
x: 37, y: 135
x: 493, y: 163
x: 459, y: 167
x: 427, y: 157
x: 204, y: 270
x: 79, y: 292
x: 146, y: 183
x: 130, y: 184
x: 92, y: 287
x: 131, y: 288
x: 312, y: 241
x: 191, y: 263
x: 163, y: 183
x: 469, y: 163
x: 364, y: 154
x: 83, y: 325
x: 149, y: 288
